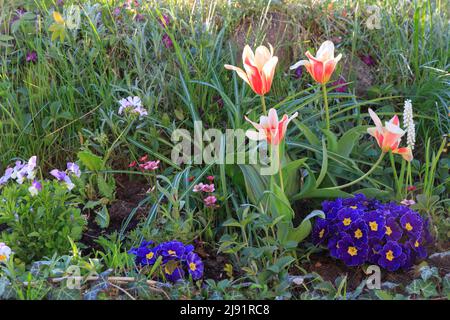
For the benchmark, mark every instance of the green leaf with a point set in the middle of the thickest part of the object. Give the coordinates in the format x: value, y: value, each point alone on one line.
x: 102, y: 218
x: 310, y: 136
x: 279, y: 204
x: 90, y: 160
x: 106, y: 190
x: 383, y: 295
x: 324, y: 169
x: 348, y: 140
x: 304, y: 229
x: 332, y: 140
x: 5, y: 38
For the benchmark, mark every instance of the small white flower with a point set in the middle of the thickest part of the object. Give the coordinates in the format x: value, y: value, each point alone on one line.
x: 5, y: 252
x: 409, y: 124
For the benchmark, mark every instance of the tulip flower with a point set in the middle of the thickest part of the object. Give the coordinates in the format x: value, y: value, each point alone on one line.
x: 321, y: 66
x: 259, y: 68
x: 389, y: 136
x: 269, y: 128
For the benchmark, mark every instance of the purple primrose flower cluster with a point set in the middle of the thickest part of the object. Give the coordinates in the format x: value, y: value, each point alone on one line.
x: 359, y: 230
x: 176, y: 259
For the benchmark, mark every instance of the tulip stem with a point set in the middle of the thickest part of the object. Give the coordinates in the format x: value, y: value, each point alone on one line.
x: 394, y: 170
x: 263, y: 103
x: 360, y: 178
x: 325, y: 103
x: 280, y: 169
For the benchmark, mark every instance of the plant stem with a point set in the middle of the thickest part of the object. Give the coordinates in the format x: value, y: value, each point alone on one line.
x: 325, y: 103
x: 394, y: 170
x: 280, y: 169
x: 263, y: 103
x: 360, y: 178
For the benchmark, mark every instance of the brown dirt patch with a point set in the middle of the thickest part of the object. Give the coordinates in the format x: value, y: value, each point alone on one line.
x: 128, y: 195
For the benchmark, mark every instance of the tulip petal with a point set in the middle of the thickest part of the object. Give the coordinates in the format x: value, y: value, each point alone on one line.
x: 299, y: 63
x: 269, y: 71
x: 241, y: 73
x: 262, y: 56
x: 256, y: 125
x: 255, y: 135
x: 406, y: 153
x: 273, y: 118
x: 376, y: 120
x: 326, y: 51
x: 247, y: 56
x: 255, y: 79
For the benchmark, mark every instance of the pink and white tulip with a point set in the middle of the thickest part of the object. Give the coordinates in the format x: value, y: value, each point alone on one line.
x: 322, y: 66
x: 389, y: 136
x: 269, y: 128
x: 259, y: 68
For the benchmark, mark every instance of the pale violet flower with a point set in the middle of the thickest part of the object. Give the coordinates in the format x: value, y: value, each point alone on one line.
x: 5, y: 252
x: 408, y: 202
x: 409, y: 124
x: 62, y: 176
x: 35, y: 187
x: 132, y: 105
x: 20, y: 171
x: 74, y: 168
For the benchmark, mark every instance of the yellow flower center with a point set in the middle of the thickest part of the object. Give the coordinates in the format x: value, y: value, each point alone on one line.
x: 388, y: 230
x: 2, y: 257
x: 373, y: 225
x: 358, y: 234
x: 321, y: 233
x: 352, y: 251
x: 416, y: 244
x: 347, y: 221
x: 192, y: 266
x: 149, y: 255
x: 171, y: 252
x: 168, y: 270
x: 390, y: 255
x: 354, y: 207
x: 408, y: 226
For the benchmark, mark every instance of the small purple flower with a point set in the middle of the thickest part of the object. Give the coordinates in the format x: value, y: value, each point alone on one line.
x: 35, y: 187
x: 358, y: 231
x: 411, y: 223
x: 167, y: 41
x: 174, y: 250
x: 72, y: 167
x: 331, y: 208
x: 62, y: 176
x: 32, y: 56
x: 347, y: 216
x: 352, y: 253
x: 298, y: 73
x: 417, y: 245
x: 60, y: 3
x: 333, y: 246
x: 375, y: 246
x: 392, y: 230
x: 195, y: 265
x: 4, y: 179
x: 320, y: 231
x: 368, y: 60
x: 392, y: 256
x: 376, y: 223
x: 173, y: 271
x: 342, y: 87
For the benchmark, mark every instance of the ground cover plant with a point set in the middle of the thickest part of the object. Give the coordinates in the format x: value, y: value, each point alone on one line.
x: 224, y: 149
